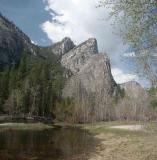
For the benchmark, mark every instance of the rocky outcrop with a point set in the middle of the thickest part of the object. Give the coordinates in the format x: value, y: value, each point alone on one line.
x: 12, y: 42
x: 62, y: 47
x: 91, y: 85
x: 78, y: 56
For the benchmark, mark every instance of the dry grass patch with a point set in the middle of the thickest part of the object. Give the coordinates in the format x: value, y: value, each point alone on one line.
x: 124, y: 144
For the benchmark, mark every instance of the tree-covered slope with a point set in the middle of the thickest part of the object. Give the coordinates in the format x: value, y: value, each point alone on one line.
x: 31, y: 87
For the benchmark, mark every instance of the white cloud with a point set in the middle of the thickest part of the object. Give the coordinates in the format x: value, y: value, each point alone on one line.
x: 130, y: 54
x: 139, y: 54
x: 80, y: 20
x: 33, y: 42
x: 142, y: 53
x: 121, y: 77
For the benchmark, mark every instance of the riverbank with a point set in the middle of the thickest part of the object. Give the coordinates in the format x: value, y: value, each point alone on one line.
x: 109, y: 140
x: 24, y: 126
x: 25, y: 119
x: 119, y: 143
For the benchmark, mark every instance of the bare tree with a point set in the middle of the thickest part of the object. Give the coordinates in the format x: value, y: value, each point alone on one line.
x: 137, y: 21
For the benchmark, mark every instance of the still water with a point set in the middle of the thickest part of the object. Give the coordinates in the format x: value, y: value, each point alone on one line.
x: 50, y: 144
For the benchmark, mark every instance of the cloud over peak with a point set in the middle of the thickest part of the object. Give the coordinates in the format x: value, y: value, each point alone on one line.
x: 80, y: 20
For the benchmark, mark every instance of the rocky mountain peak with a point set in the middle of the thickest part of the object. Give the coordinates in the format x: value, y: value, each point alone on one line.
x: 90, y: 46
x: 60, y: 48
x: 79, y: 55
x: 66, y: 39
x: 93, y: 43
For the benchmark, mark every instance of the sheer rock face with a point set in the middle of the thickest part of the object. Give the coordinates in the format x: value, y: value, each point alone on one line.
x: 91, y: 83
x: 94, y: 75
x: 78, y: 56
x: 12, y: 42
x: 63, y: 47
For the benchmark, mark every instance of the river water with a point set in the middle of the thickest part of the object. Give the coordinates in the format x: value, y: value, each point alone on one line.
x: 49, y: 144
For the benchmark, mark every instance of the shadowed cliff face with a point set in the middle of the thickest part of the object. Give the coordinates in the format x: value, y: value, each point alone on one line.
x: 12, y: 42
x: 91, y: 84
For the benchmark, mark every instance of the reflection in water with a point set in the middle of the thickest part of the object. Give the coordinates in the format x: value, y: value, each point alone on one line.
x: 54, y: 144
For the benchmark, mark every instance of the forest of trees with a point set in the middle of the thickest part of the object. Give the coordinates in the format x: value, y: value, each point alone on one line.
x: 31, y: 87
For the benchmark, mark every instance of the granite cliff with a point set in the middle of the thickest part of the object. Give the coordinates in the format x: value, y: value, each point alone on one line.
x: 91, y: 83
x: 62, y: 47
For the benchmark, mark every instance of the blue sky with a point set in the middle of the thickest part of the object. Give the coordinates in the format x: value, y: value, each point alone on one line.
x: 78, y: 19
x: 28, y: 15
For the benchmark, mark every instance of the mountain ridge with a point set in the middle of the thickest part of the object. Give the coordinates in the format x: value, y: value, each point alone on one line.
x: 12, y: 42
